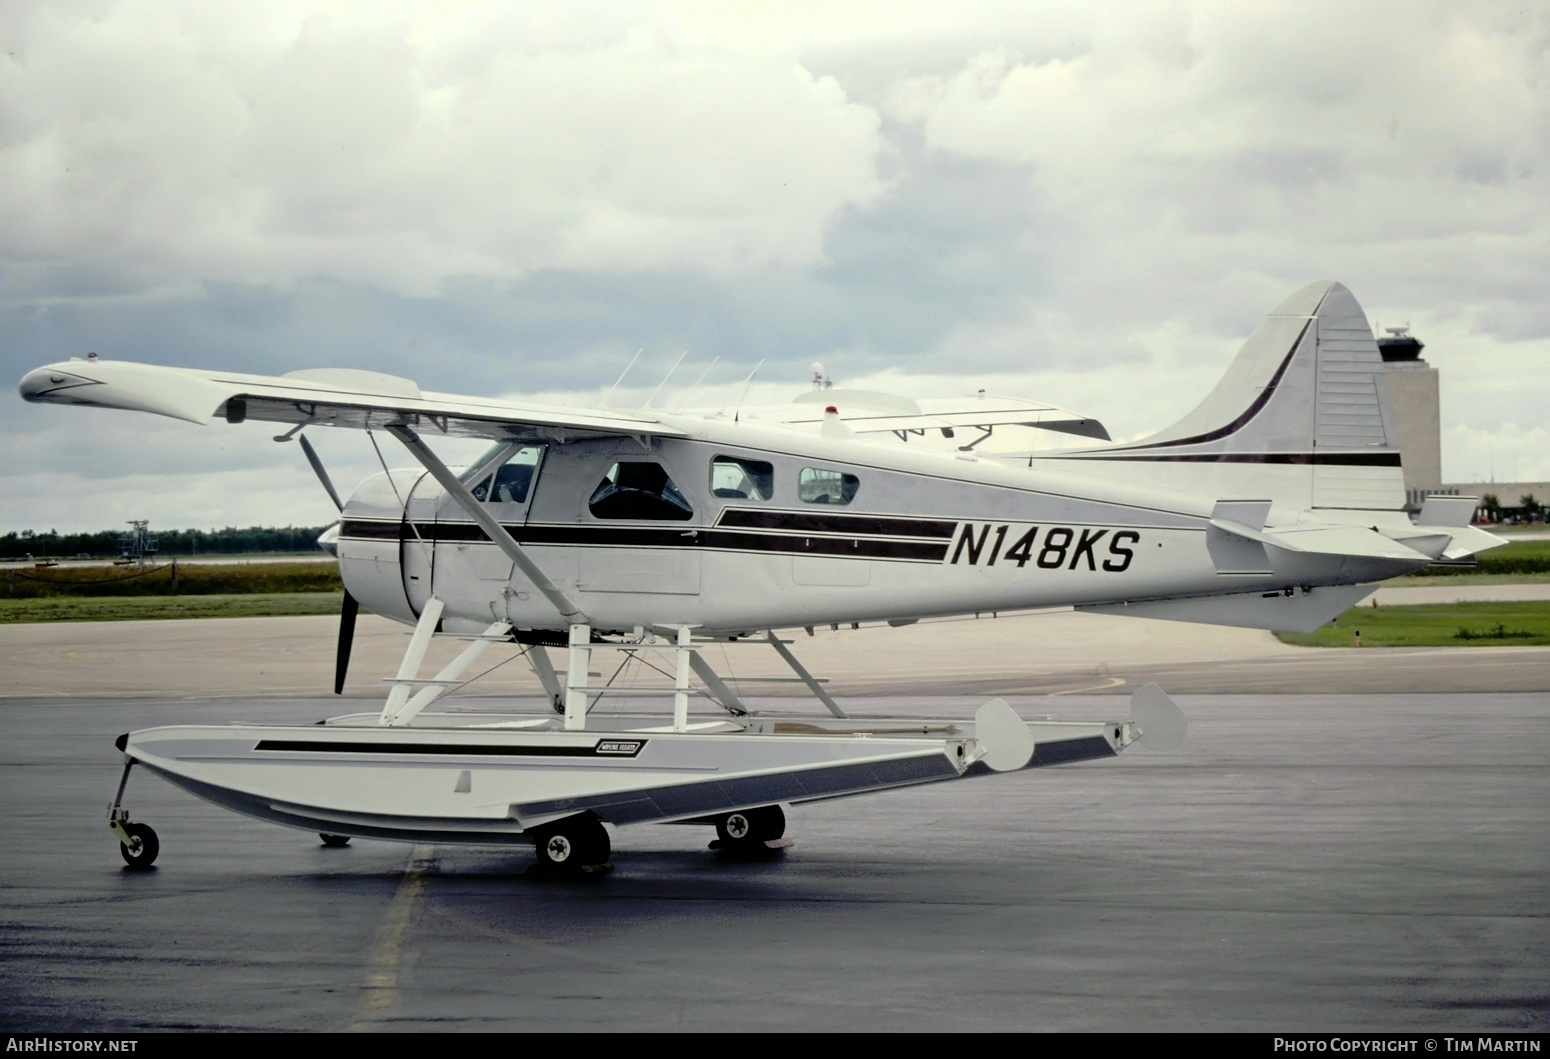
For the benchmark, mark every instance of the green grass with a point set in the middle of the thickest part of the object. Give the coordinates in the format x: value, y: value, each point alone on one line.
x: 152, y: 608
x: 193, y: 579
x: 1427, y: 580
x: 1517, y: 562
x: 1522, y: 624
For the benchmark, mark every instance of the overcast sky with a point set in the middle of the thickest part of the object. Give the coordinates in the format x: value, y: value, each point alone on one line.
x: 1082, y: 204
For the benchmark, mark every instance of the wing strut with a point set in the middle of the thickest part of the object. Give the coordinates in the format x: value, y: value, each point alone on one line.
x: 496, y: 532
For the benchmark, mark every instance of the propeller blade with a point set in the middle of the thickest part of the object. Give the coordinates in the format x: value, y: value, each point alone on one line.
x: 346, y: 640
x: 317, y: 468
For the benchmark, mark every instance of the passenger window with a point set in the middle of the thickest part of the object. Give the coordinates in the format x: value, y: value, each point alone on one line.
x: 819, y: 485
x: 638, y: 490
x: 735, y: 479
x: 512, y: 480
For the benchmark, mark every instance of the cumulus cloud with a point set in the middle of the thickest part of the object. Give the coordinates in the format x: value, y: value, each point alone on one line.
x: 147, y: 144
x: 1083, y: 203
x: 1183, y: 143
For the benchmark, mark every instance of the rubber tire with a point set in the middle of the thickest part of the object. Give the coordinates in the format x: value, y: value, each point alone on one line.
x: 570, y: 846
x: 751, y: 827
x: 145, y: 856
x: 334, y: 841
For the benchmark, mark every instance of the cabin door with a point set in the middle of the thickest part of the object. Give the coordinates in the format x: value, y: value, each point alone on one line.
x: 473, y: 575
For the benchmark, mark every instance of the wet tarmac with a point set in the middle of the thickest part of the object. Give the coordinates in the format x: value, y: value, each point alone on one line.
x: 1305, y: 862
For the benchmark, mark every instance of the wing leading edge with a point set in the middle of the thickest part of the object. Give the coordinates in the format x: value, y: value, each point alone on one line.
x: 337, y: 397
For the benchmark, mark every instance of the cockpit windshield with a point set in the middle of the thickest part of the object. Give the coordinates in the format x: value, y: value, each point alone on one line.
x: 480, y: 468
x: 510, y: 480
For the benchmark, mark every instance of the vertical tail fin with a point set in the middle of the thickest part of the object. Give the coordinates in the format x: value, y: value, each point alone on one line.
x: 1306, y: 379
x: 1302, y: 411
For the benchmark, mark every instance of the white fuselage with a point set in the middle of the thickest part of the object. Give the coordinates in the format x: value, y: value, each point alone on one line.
x: 921, y: 533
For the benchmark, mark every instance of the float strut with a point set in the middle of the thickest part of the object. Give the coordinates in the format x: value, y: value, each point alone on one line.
x: 801, y: 671
x: 576, y: 676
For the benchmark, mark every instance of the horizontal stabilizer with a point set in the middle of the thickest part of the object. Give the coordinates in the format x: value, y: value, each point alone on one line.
x: 1238, y: 548
x: 1471, y: 540
x: 1448, y: 512
x: 1448, y: 518
x: 1354, y: 541
x: 1302, y: 611
x: 1431, y: 545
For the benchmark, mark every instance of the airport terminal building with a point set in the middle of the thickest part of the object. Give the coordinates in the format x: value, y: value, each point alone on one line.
x: 1414, y: 391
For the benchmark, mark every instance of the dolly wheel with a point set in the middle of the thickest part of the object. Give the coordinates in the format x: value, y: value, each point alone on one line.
x: 572, y: 845
x: 748, y: 828
x: 141, y: 849
x: 734, y: 827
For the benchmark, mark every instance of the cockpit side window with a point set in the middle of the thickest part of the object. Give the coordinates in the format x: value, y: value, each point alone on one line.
x: 732, y: 478
x: 479, y: 470
x: 820, y: 485
x: 512, y: 480
x: 639, y: 490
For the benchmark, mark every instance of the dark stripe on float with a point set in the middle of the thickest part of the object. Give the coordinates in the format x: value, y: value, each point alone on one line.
x: 1064, y: 750
x: 311, y: 746
x: 708, y: 796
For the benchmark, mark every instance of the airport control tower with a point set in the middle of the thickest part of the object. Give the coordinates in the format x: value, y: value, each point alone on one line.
x: 1413, y: 390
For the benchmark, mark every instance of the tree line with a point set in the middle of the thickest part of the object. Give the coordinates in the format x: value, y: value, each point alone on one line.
x: 105, y: 544
x: 1528, y: 509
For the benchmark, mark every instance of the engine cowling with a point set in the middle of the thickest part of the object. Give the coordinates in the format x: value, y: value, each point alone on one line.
x: 370, y: 544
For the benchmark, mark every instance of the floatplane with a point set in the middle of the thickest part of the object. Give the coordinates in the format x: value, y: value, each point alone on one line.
x: 1277, y: 503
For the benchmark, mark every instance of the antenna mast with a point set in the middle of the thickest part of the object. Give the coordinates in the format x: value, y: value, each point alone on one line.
x: 622, y: 374
x: 669, y: 375
x: 737, y: 411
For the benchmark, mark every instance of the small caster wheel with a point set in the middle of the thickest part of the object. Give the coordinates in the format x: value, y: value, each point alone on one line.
x: 140, y: 851
x: 734, y: 827
x: 334, y: 841
x: 748, y: 828
x: 573, y: 845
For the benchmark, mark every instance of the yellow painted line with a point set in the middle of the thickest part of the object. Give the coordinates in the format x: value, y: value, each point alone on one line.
x: 1112, y: 682
x: 382, y: 971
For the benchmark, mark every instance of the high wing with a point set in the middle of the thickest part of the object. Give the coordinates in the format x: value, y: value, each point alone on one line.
x: 337, y: 397
x: 867, y: 411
